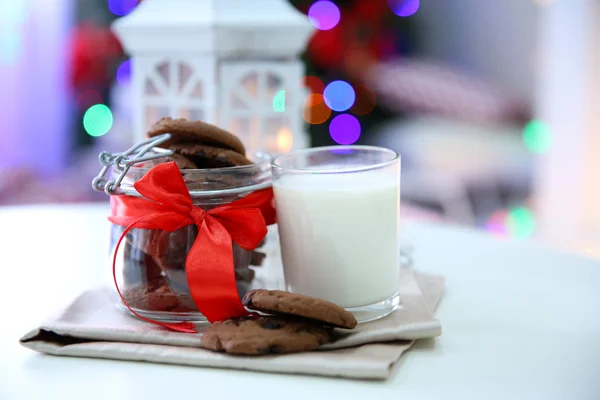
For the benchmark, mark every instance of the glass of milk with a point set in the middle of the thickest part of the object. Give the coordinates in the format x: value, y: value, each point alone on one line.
x: 338, y: 212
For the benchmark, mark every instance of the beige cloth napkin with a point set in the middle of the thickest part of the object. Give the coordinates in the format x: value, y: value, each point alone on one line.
x: 93, y: 327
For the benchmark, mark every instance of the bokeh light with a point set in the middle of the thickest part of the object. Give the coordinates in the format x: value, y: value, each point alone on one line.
x: 339, y: 95
x: 97, y: 120
x: 13, y: 15
x: 88, y: 98
x: 313, y: 84
x: 124, y: 73
x: 279, y: 101
x: 285, y: 140
x: 11, y: 45
x: 404, y: 8
x: 537, y: 136
x: 324, y: 15
x: 520, y: 223
x: 314, y: 110
x: 365, y: 100
x: 344, y: 129
x: 121, y: 7
x: 496, y: 223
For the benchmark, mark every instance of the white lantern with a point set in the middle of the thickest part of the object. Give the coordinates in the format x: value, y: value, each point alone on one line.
x: 233, y: 63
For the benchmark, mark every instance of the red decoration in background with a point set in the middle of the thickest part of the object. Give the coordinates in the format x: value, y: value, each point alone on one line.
x: 361, y: 28
x: 209, y: 266
x: 325, y: 47
x: 313, y: 84
x: 94, y: 52
x: 88, y: 98
x: 365, y: 100
x: 371, y: 11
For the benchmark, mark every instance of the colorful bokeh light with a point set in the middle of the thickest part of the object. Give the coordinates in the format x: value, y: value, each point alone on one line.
x: 496, y: 223
x: 314, y: 110
x: 313, y: 84
x: 324, y: 15
x: 279, y: 101
x: 537, y: 136
x: 124, y: 73
x: 121, y: 7
x: 339, y: 95
x: 520, y: 223
x: 344, y: 129
x: 11, y: 45
x: 13, y: 15
x: 365, y: 100
x: 97, y: 120
x: 404, y: 8
x: 285, y: 140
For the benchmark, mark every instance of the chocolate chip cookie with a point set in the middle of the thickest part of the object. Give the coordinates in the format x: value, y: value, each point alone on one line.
x: 286, y: 303
x: 180, y: 161
x: 209, y: 156
x: 264, y: 335
x: 198, y: 132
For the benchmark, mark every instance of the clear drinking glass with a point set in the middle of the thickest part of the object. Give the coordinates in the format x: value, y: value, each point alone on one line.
x: 338, y: 213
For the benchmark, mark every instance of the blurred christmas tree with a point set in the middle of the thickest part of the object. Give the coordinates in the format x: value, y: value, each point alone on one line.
x: 361, y: 28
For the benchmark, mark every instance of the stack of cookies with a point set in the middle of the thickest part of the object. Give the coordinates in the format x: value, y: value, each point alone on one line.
x: 289, y: 323
x: 198, y: 145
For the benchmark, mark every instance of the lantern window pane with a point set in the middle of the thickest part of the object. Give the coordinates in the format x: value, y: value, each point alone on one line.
x: 184, y: 74
x: 154, y: 113
x: 191, y: 113
x: 163, y: 70
x: 150, y: 88
x: 196, y: 92
x: 247, y: 129
x: 278, y: 136
x: 249, y: 83
x: 274, y: 83
x: 236, y: 101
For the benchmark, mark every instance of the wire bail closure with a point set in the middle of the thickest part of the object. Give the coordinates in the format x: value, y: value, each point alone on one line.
x: 123, y: 161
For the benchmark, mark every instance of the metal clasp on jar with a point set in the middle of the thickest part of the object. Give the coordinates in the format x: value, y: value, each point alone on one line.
x: 123, y: 161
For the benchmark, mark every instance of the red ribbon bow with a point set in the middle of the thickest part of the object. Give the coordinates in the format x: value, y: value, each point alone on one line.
x: 209, y: 265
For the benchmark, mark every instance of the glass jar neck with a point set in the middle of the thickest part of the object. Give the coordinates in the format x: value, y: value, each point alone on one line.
x: 212, y: 187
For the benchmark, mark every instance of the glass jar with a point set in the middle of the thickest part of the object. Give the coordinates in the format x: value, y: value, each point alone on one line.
x: 150, y: 267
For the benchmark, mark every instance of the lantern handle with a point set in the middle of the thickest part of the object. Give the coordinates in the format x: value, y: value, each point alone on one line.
x: 123, y: 161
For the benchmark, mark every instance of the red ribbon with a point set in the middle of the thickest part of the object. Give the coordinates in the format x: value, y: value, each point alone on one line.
x: 168, y: 206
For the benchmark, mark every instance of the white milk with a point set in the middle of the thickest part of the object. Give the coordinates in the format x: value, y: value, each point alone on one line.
x: 339, y: 236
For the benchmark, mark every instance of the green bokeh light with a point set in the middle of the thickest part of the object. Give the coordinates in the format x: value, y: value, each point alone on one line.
x: 537, y: 136
x: 97, y: 120
x: 279, y: 101
x: 520, y: 223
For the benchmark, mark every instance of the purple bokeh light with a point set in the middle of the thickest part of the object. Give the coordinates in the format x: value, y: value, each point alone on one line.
x: 342, y: 151
x: 121, y: 7
x: 124, y: 73
x: 496, y: 223
x: 404, y: 8
x: 344, y: 129
x: 324, y: 15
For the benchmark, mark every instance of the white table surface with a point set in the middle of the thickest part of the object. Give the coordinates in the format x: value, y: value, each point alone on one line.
x: 519, y: 322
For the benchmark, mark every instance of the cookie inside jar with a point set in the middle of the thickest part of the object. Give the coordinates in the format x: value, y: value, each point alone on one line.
x: 151, y: 263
